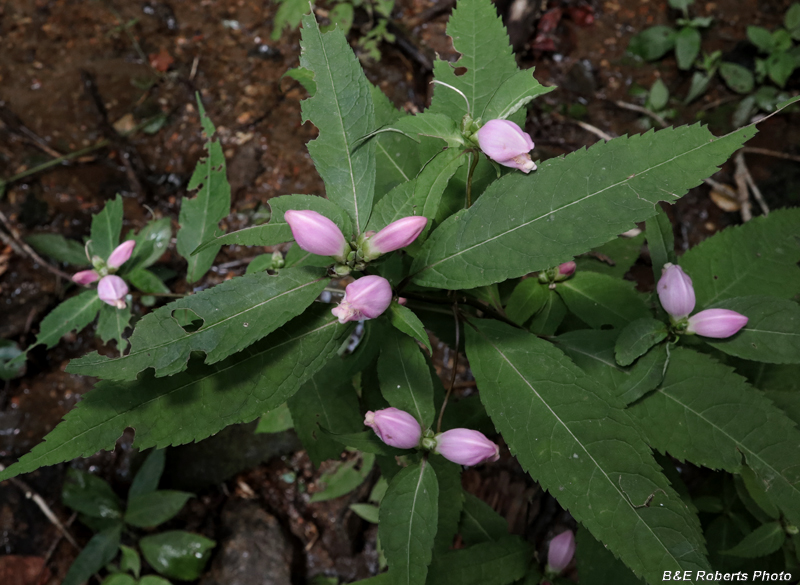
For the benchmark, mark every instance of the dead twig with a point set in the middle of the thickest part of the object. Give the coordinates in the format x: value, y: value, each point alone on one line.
x: 754, y: 188
x: 24, y: 249
x: 594, y: 130
x: 722, y: 188
x: 740, y: 176
x: 642, y: 110
x: 772, y: 153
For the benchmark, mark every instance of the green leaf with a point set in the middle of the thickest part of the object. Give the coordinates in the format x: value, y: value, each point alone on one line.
x: 653, y: 43
x: 527, y: 299
x: 344, y: 478
x: 659, y: 95
x: 106, y: 228
x: 150, y: 510
x: 637, y: 338
x: 577, y: 442
x: 275, y: 421
x: 426, y: 124
x: 151, y: 243
x: 597, y: 565
x: 705, y: 413
x: 479, y: 523
x: 200, y: 401
x: 614, y: 258
x: 601, y: 300
x: 367, y: 512
x: 288, y: 16
x: 489, y: 563
x: 404, y: 319
x: 9, y: 351
x: 341, y: 16
x: 146, y: 479
x: 177, y: 554
x: 687, y: 47
x: 763, y: 541
x: 780, y: 67
x: 449, y: 502
x: 757, y: 490
x: 407, y: 526
x: 98, y: 552
x: 761, y: 38
x: 130, y: 561
x: 112, y: 324
x: 791, y: 20
x: 365, y: 441
x: 119, y: 579
x: 405, y: 378
x: 756, y: 258
x: 234, y: 314
x: 700, y: 83
x: 396, y: 156
x: 547, y: 320
x: 580, y: 202
x: 153, y: 580
x: 739, y: 79
x: 200, y: 216
x: 660, y: 241
x: 343, y: 111
x: 90, y: 495
x: 788, y: 402
x: 515, y: 93
x: 277, y: 231
x: 772, y: 333
x: 147, y: 282
x: 59, y: 248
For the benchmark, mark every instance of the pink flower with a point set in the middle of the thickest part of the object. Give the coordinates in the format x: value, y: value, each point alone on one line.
x: 112, y: 290
x: 675, y: 291
x: 561, y: 551
x: 394, y: 236
x: 718, y: 323
x: 394, y: 427
x: 466, y: 447
x: 317, y: 234
x: 567, y: 269
x: 121, y: 254
x: 85, y: 277
x: 506, y: 143
x: 366, y: 298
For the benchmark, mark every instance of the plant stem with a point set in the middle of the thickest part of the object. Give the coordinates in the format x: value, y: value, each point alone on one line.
x: 455, y: 368
x: 473, y: 162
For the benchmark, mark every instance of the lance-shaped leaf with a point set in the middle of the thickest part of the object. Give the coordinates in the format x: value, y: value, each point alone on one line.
x: 396, y: 157
x: 200, y: 216
x: 764, y: 540
x: 575, y: 439
x: 489, y: 563
x: 600, y: 300
x: 343, y: 111
x: 527, y: 299
x: 523, y: 223
x: 405, y: 378
x: 106, y: 228
x: 450, y: 501
x: 479, y: 523
x: 550, y: 316
x: 277, y: 231
x: 772, y: 333
x: 404, y: 319
x: 759, y: 257
x: 705, y: 413
x: 638, y: 337
x: 660, y: 241
x: 234, y: 314
x: 196, y: 403
x: 407, y: 526
x: 516, y: 92
x: 151, y: 243
x: 97, y: 553
x: 59, y: 248
x: 112, y: 324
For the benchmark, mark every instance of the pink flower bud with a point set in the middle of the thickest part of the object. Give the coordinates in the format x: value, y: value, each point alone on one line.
x: 718, y: 323
x: 112, y: 290
x: 121, y: 254
x: 394, y: 427
x: 567, y: 268
x: 466, y: 447
x: 366, y: 298
x: 317, y: 234
x: 675, y: 291
x: 561, y: 551
x: 85, y: 277
x: 506, y: 143
x: 394, y: 236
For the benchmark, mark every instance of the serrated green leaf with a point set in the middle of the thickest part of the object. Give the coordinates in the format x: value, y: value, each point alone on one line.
x: 59, y: 248
x: 90, y: 495
x: 151, y: 243
x: 396, y: 157
x: 660, y: 241
x: 404, y: 319
x: 488, y: 563
x: 705, y: 413
x: 578, y: 443
x: 580, y: 202
x: 450, y: 502
x: 597, y: 565
x: 772, y: 333
x: 343, y: 111
x: 146, y: 479
x: 407, y: 526
x: 548, y: 319
x: 344, y: 478
x: 200, y: 401
x: 235, y: 314
x: 147, y: 282
x: 366, y: 512
x: 98, y: 552
x: 112, y: 324
x: 479, y: 523
x: 365, y: 441
x: 275, y: 421
x: 150, y: 510
x: 756, y: 258
x: 600, y: 300
x: 788, y: 402
x: 177, y: 554
x: 527, y: 299
x: 637, y: 338
x: 106, y: 228
x: 200, y: 216
x: 764, y: 540
x: 404, y: 377
x: 687, y: 47
x: 130, y: 561
x: 614, y: 258
x: 515, y: 93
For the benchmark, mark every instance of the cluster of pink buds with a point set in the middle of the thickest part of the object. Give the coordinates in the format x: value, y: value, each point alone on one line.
x: 558, y: 274
x: 676, y: 293
x: 399, y: 429
x: 111, y: 289
x: 560, y: 553
x: 365, y: 298
x: 507, y: 144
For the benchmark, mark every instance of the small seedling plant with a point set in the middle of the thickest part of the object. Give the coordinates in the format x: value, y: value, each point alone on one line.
x: 442, y: 223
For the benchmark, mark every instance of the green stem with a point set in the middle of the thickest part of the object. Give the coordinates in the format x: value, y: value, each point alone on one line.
x: 472, y: 164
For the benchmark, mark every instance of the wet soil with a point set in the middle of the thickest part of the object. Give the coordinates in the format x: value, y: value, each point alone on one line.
x: 149, y: 58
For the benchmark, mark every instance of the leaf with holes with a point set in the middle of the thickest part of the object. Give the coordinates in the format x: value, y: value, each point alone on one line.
x: 112, y: 324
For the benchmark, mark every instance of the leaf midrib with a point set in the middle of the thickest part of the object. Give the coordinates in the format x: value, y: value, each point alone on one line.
x: 423, y: 463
